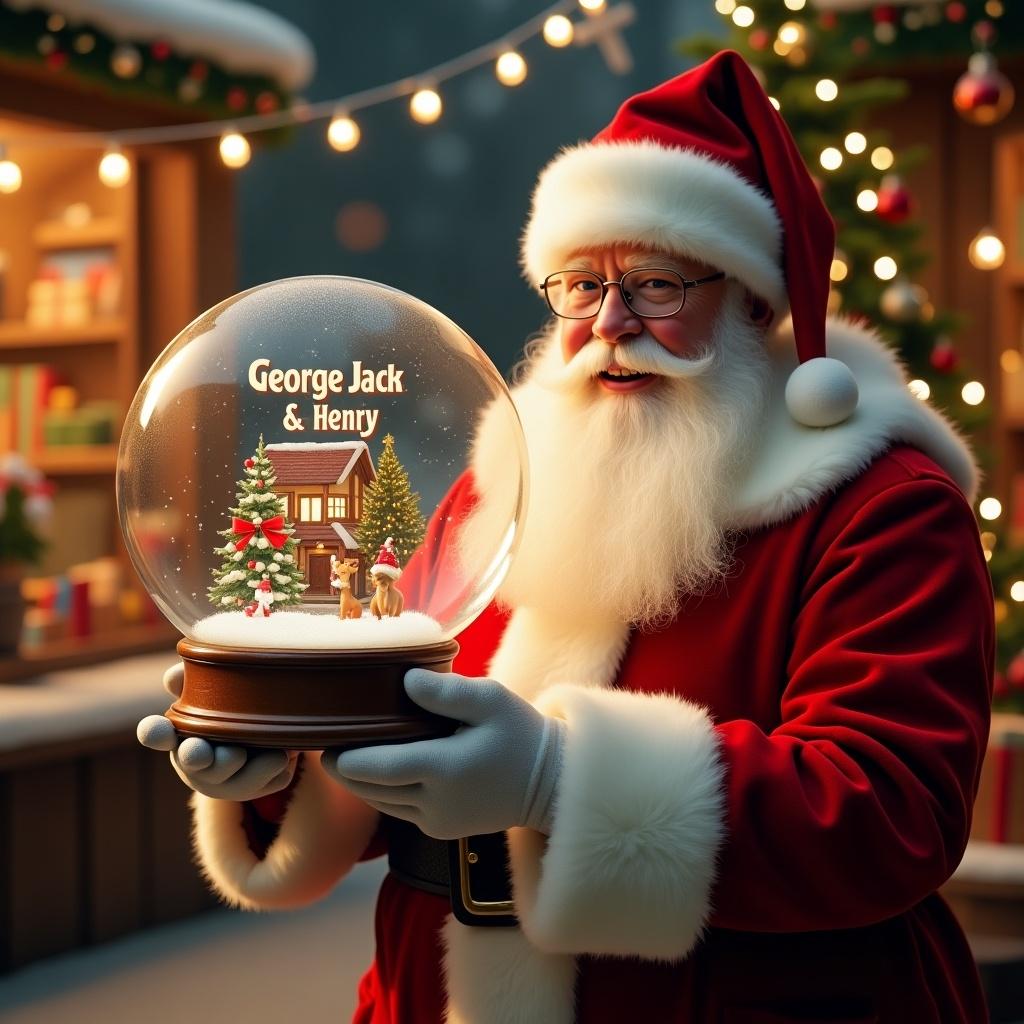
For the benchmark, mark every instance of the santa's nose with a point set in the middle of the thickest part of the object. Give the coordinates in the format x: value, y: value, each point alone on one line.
x: 615, y: 321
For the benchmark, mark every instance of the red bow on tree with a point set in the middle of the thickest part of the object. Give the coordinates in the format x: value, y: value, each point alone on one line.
x: 272, y: 529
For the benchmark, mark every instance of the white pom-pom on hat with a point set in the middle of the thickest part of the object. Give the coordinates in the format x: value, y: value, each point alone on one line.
x: 821, y: 393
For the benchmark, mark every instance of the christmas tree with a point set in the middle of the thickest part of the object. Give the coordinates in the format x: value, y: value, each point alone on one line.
x: 811, y: 60
x: 391, y: 509
x: 259, y: 544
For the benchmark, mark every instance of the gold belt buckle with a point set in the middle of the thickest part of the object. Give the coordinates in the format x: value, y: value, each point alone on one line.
x: 490, y: 909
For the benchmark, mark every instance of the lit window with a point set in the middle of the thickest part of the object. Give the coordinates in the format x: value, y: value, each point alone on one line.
x: 311, y: 510
x: 283, y: 504
x: 337, y: 506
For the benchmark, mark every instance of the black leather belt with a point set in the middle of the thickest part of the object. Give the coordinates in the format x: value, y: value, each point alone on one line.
x: 481, y: 895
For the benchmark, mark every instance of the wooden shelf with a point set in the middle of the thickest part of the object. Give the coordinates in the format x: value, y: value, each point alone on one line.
x: 91, y: 650
x: 18, y: 334
x: 72, y: 460
x: 58, y: 235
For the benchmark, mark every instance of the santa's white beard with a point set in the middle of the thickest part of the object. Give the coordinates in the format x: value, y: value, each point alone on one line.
x: 628, y: 491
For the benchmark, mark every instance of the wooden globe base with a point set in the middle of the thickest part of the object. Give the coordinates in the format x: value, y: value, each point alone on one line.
x: 306, y: 700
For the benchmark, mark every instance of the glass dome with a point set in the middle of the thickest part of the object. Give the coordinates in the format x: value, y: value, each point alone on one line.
x: 284, y: 456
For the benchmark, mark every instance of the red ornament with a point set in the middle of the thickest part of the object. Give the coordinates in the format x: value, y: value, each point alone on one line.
x: 259, y: 485
x: 828, y: 20
x: 956, y: 11
x: 198, y: 70
x: 160, y: 50
x: 249, y: 463
x: 944, y: 357
x: 884, y: 14
x: 251, y: 564
x: 759, y: 39
x: 1015, y: 673
x: 893, y: 200
x: 266, y: 103
x: 860, y: 46
x: 57, y: 61
x: 982, y: 94
x: 984, y: 33
x: 237, y: 98
x: 1000, y: 687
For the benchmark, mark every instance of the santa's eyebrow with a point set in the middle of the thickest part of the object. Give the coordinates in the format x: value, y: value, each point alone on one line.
x: 653, y: 259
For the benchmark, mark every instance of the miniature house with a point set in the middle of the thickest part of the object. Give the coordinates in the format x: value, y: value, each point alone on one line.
x: 322, y: 486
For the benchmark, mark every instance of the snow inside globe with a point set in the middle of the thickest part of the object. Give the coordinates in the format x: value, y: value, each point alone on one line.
x: 283, y: 480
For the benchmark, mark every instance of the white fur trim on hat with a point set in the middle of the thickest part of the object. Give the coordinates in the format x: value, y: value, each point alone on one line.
x: 821, y: 393
x: 642, y: 193
x: 324, y: 833
x: 383, y: 569
x: 639, y: 818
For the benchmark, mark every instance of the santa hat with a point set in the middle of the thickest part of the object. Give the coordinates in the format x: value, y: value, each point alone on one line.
x: 703, y: 165
x: 387, y: 561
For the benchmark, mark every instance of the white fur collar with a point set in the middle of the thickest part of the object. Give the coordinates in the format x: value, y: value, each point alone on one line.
x: 793, y: 465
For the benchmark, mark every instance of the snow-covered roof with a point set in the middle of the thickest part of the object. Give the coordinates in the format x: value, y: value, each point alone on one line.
x: 238, y: 36
x: 312, y: 462
x: 346, y: 538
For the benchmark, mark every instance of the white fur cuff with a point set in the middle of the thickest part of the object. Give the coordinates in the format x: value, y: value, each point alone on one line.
x: 638, y: 821
x: 324, y: 832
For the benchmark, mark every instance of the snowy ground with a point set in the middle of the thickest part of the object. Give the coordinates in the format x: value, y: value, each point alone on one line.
x: 309, y: 630
x: 219, y: 967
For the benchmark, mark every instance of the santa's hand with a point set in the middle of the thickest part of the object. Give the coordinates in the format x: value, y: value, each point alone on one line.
x: 215, y: 769
x: 499, y: 770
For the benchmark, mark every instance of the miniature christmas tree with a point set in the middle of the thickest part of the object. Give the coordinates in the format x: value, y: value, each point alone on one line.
x: 259, y: 546
x: 391, y: 509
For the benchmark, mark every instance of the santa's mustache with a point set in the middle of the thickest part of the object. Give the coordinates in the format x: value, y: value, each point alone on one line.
x: 642, y: 354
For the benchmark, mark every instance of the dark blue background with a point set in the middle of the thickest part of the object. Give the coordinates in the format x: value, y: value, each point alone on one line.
x: 454, y: 194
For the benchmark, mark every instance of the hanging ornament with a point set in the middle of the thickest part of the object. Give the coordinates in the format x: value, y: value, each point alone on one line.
x: 902, y: 301
x: 1000, y: 687
x: 828, y: 20
x: 760, y: 39
x: 266, y: 102
x: 1015, y: 673
x: 860, y: 46
x: 956, y: 11
x: 125, y: 61
x: 237, y: 98
x: 983, y: 34
x: 983, y: 94
x: 944, y: 356
x: 161, y: 50
x: 885, y: 14
x: 893, y: 200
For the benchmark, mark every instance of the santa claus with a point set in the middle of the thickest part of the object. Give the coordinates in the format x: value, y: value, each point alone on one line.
x: 730, y: 703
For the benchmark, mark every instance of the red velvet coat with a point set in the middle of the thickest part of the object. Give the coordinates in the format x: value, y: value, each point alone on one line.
x: 757, y: 802
x: 846, y: 668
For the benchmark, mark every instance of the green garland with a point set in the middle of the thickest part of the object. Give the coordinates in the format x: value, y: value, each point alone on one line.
x: 160, y: 75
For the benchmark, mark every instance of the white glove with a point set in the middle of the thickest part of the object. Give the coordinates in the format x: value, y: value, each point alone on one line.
x: 497, y: 771
x: 215, y: 769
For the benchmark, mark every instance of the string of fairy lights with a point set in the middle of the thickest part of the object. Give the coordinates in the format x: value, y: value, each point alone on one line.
x: 596, y: 23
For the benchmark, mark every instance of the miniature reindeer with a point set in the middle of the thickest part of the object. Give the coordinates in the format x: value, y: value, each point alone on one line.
x: 342, y: 571
x: 388, y: 599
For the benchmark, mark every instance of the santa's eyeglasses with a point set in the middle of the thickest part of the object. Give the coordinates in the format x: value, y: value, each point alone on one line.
x: 648, y: 291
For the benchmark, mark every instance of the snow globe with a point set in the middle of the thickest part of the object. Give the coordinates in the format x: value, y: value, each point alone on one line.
x: 288, y: 484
